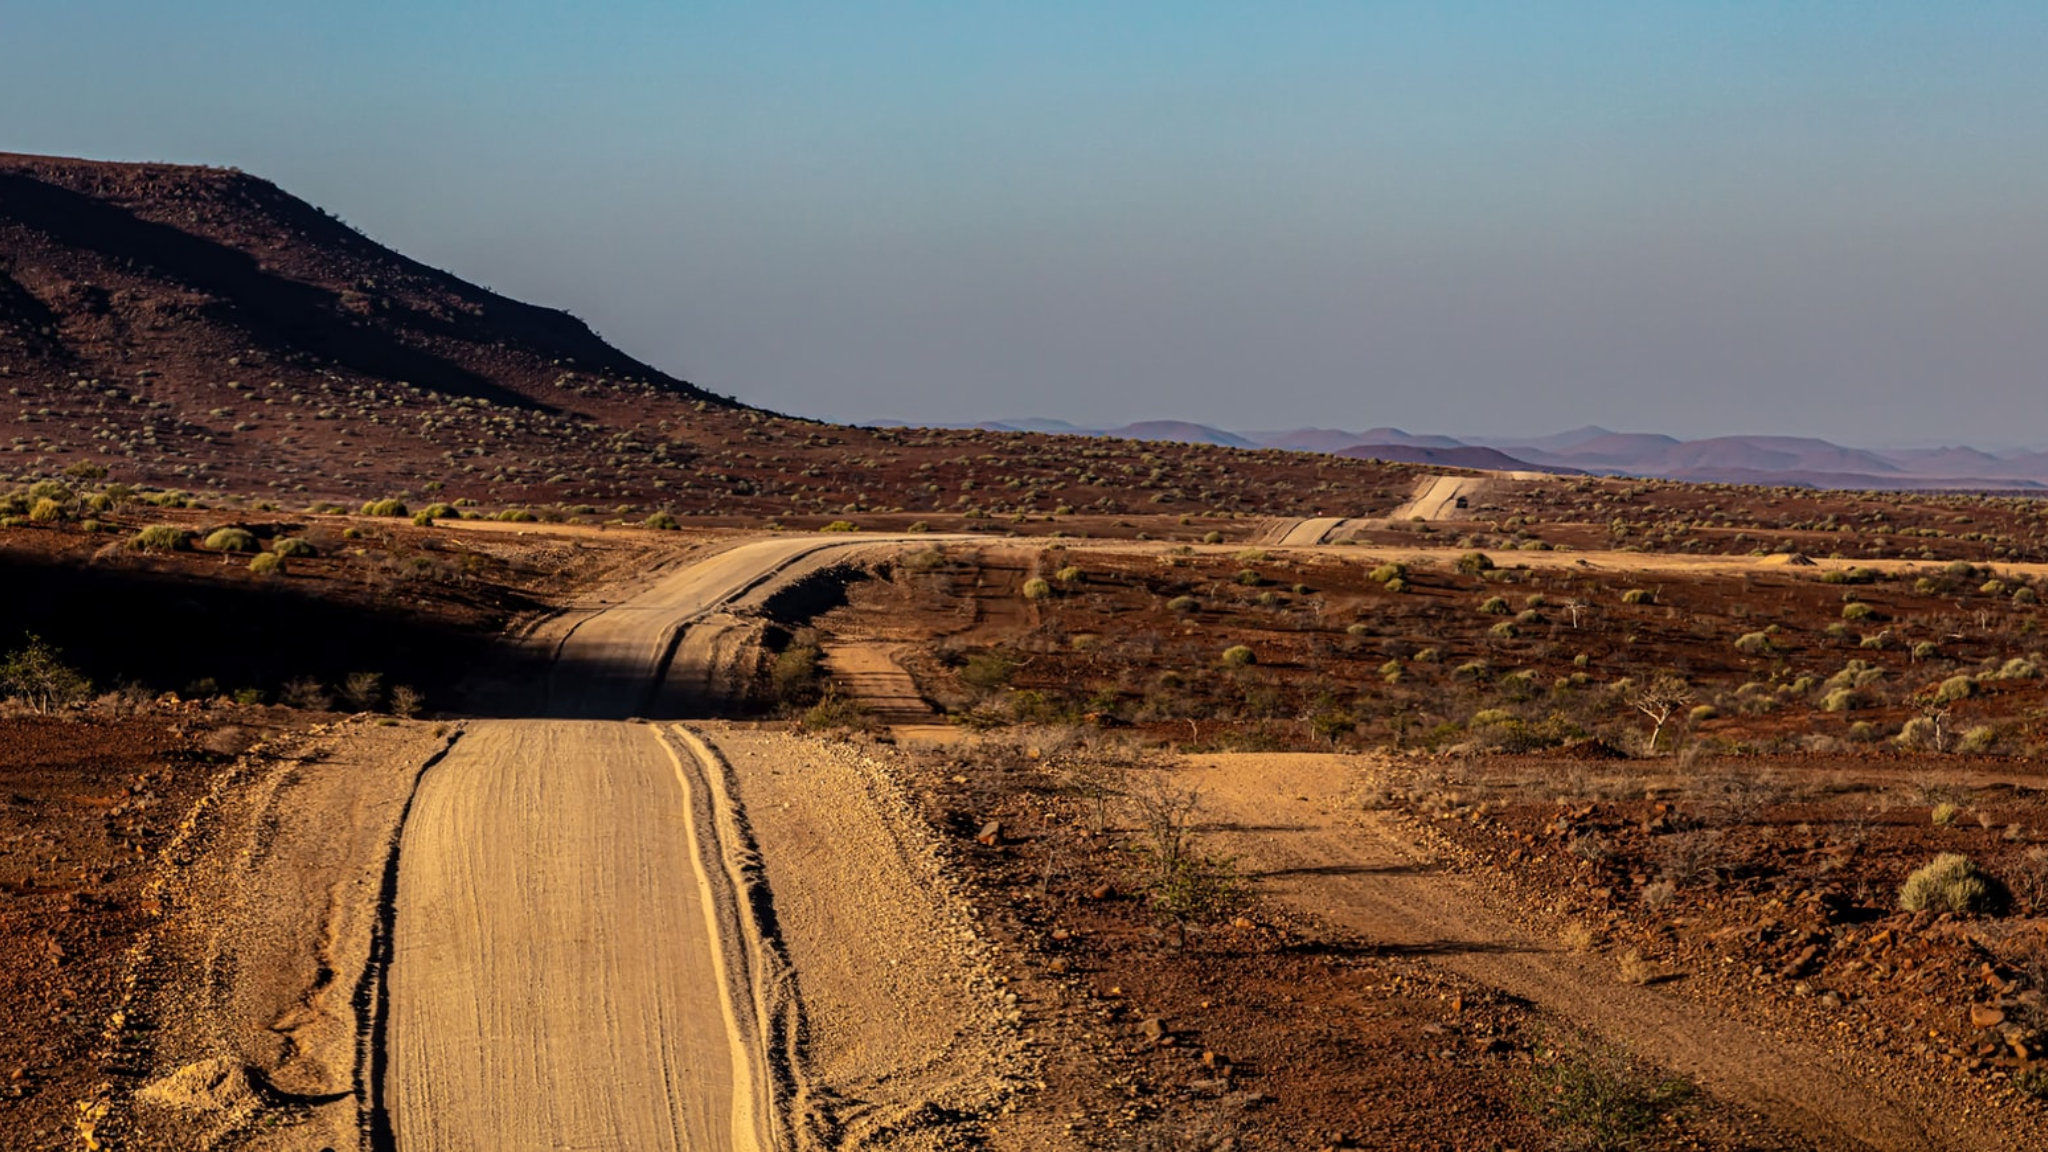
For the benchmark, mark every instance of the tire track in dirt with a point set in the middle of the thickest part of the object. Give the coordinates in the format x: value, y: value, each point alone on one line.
x: 1299, y: 829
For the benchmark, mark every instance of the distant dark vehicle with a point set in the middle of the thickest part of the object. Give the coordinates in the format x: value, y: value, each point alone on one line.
x: 1460, y: 502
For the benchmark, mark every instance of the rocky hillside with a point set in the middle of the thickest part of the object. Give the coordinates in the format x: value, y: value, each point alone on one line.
x: 201, y: 329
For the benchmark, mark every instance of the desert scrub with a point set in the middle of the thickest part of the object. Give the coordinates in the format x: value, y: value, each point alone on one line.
x: 1238, y: 656
x: 1955, y: 688
x: 1037, y: 588
x: 1639, y: 596
x: 162, y: 538
x: 1949, y: 883
x: 1944, y: 815
x: 1250, y: 578
x: 266, y: 564
x: 1603, y: 1104
x: 36, y: 675
x: 292, y: 546
x: 388, y: 506
x: 841, y: 526
x: 516, y: 516
x: 1068, y: 575
x: 1183, y: 604
x: 798, y: 670
x: 1753, y: 643
x: 1494, y: 606
x: 1386, y: 572
x: 660, y: 522
x: 231, y: 540
x: 1857, y: 610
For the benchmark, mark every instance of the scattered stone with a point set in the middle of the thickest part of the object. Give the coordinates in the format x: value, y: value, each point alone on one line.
x: 991, y: 833
x: 1986, y: 1016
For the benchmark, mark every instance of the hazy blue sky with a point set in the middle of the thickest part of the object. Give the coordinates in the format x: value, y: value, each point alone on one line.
x: 1813, y: 216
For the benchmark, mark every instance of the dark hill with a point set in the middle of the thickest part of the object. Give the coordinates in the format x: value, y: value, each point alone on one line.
x: 200, y: 328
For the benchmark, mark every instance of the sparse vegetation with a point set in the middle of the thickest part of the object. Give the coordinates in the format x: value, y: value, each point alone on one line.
x: 1948, y: 883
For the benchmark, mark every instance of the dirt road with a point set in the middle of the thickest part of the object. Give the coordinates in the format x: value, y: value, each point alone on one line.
x: 559, y: 975
x: 570, y: 963
x: 1437, y: 498
x: 564, y: 971
x: 1301, y: 832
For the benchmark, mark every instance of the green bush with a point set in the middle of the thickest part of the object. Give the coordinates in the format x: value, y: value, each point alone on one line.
x: 1639, y: 596
x: 47, y: 511
x: 1505, y: 630
x: 841, y: 526
x: 1037, y: 588
x: 1212, y: 537
x: 162, y: 538
x: 1753, y: 643
x: 1397, y: 585
x: 292, y: 546
x: 1183, y: 604
x: 1473, y: 563
x: 2024, y: 596
x: 1068, y: 575
x: 1703, y: 713
x: 1238, y: 656
x: 988, y: 671
x: 1949, y: 883
x: 661, y: 522
x: 36, y: 675
x: 232, y: 540
x: 1494, y: 606
x: 1250, y: 578
x: 1386, y: 572
x: 798, y: 671
x: 1604, y: 1105
x: 1857, y: 610
x: 386, y: 507
x: 267, y: 564
x: 1955, y: 688
x: 516, y: 516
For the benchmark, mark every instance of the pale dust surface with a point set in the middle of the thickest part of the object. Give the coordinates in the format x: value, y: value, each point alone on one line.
x: 1298, y: 824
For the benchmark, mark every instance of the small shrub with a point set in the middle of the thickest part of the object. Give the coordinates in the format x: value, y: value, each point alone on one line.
x: 2017, y: 668
x: 293, y: 547
x: 406, y: 701
x: 1925, y: 650
x: 385, y: 507
x: 363, y: 691
x: 1702, y: 714
x: 920, y: 526
x: 1639, y: 596
x: 1250, y: 578
x: 988, y: 671
x: 834, y: 713
x: 305, y: 692
x: 46, y: 511
x: 1212, y: 537
x: 1183, y: 604
x: 1955, y: 688
x: 841, y: 526
x: 1948, y: 883
x: 231, y: 540
x: 1358, y: 628
x: 516, y: 516
x: 1068, y: 575
x: 1505, y: 630
x: 1603, y: 1104
x: 2024, y: 596
x: 266, y: 564
x: 1494, y: 606
x: 1982, y: 738
x: 1386, y: 572
x: 1944, y: 815
x: 1473, y: 563
x: 1238, y: 656
x: 36, y: 675
x: 1753, y: 643
x: 1397, y: 585
x: 162, y: 538
x: 1857, y: 610
x: 1037, y: 588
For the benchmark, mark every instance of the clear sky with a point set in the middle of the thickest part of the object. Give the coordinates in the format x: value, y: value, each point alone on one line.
x: 1813, y: 216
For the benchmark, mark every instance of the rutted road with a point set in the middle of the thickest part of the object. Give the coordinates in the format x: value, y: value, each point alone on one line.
x: 567, y: 968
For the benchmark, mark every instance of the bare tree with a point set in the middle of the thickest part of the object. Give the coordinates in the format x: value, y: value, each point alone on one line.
x: 1659, y: 700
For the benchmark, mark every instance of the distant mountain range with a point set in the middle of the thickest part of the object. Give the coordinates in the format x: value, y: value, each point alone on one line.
x: 1779, y: 460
